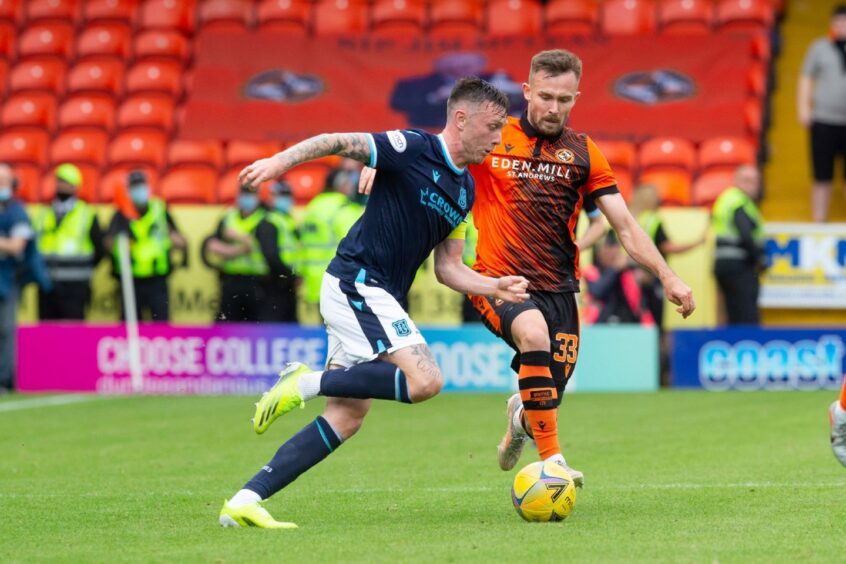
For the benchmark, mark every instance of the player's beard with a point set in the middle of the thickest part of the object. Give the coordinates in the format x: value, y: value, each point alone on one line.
x: 551, y: 127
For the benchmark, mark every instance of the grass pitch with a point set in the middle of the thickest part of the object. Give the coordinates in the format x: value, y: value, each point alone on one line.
x: 672, y: 476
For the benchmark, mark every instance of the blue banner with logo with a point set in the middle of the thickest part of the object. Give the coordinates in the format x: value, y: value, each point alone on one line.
x: 758, y: 359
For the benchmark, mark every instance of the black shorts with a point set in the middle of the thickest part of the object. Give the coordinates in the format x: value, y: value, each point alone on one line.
x: 562, y: 319
x: 827, y: 141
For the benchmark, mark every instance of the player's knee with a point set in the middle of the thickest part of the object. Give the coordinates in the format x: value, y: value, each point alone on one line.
x: 534, y: 339
x: 346, y: 421
x: 425, y: 386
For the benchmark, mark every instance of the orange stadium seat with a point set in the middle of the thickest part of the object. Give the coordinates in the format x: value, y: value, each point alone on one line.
x: 450, y: 18
x: 46, y: 40
x: 29, y: 177
x: 514, y: 17
x: 685, y: 17
x: 114, y: 11
x: 673, y: 186
x: 756, y: 79
x: 753, y: 116
x: 668, y: 152
x: 8, y: 39
x: 744, y: 16
x: 43, y: 74
x: 162, y: 45
x: 87, y: 192
x: 164, y: 77
x: 241, y: 153
x: 167, y: 14
x: 725, y: 153
x: 24, y: 147
x: 10, y: 11
x: 571, y: 18
x: 337, y: 17
x: 710, y: 185
x: 88, y: 147
x: 115, y: 180
x: 292, y: 17
x: 395, y: 17
x: 627, y: 17
x: 227, y: 186
x: 225, y: 15
x: 146, y: 111
x: 52, y: 10
x: 625, y: 183
x: 86, y: 111
x: 183, y: 152
x: 104, y: 41
x: 307, y: 181
x: 190, y: 185
x: 620, y: 154
x: 138, y: 148
x: 35, y: 110
x: 103, y: 77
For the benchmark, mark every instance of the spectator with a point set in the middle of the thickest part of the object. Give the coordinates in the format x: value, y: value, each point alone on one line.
x: 739, y: 257
x: 283, y: 307
x: 71, y: 241
x: 821, y: 101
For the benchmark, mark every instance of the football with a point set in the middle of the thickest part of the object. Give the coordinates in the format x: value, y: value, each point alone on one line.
x: 543, y: 491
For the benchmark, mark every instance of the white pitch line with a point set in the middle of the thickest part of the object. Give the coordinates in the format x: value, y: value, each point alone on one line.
x: 33, y: 403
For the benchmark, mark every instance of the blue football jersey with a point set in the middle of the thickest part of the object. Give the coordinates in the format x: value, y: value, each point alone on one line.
x: 418, y: 198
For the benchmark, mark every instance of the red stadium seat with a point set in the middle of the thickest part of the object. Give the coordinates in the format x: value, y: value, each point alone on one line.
x: 725, y: 153
x: 104, y: 41
x: 162, y: 45
x: 625, y: 183
x: 101, y: 76
x: 85, y: 111
x: 668, y: 152
x: 620, y: 154
x: 571, y: 18
x: 753, y: 116
x: 744, y: 16
x: 710, y: 185
x: 87, y: 147
x: 51, y: 10
x: 146, y: 111
x: 46, y: 75
x: 10, y: 11
x: 167, y: 14
x: 514, y: 17
x: 46, y: 40
x: 114, y: 181
x: 756, y: 79
x: 163, y: 77
x: 396, y: 15
x: 190, y: 185
x: 195, y: 153
x: 4, y: 74
x: 241, y: 153
x: 140, y: 148
x: 35, y: 110
x: 113, y: 11
x: 8, y: 44
x: 627, y: 17
x: 673, y: 186
x: 29, y: 177
x: 307, y: 181
x: 337, y: 17
x: 685, y: 17
x: 292, y: 17
x: 450, y: 18
x: 225, y: 15
x: 24, y: 147
x: 87, y: 192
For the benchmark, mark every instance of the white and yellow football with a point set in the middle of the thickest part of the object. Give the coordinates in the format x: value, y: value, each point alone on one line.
x: 543, y: 491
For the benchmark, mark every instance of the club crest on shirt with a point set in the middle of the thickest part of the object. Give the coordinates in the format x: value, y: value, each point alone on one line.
x: 566, y: 156
x: 402, y: 328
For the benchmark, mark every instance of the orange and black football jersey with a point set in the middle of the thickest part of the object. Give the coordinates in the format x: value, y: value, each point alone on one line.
x: 529, y: 192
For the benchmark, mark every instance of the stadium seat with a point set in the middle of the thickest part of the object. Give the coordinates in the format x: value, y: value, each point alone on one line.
x: 207, y: 154
x: 87, y: 192
x: 744, y: 16
x: 451, y: 18
x: 673, y: 186
x: 667, y: 152
x: 4, y: 75
x: 29, y: 178
x: 338, y: 17
x: 189, y: 185
x: 114, y: 181
x: 140, y: 148
x: 105, y: 40
x: 24, y: 147
x: 163, y: 77
x: 225, y: 15
x: 753, y: 116
x: 685, y: 17
x: 756, y: 79
x: 161, y: 45
x: 627, y: 17
x: 710, y: 185
x: 46, y: 75
x: 397, y: 16
x: 625, y: 183
x: 46, y: 40
x: 620, y: 154
x: 241, y: 153
x: 86, y: 111
x: 571, y: 18
x: 146, y: 111
x: 227, y: 186
x: 167, y: 14
x: 307, y: 181
x: 292, y: 17
x: 101, y: 76
x: 66, y: 11
x: 514, y: 17
x: 34, y: 110
x: 725, y: 153
x: 87, y: 147
x: 110, y: 11
x: 10, y: 11
x: 8, y: 37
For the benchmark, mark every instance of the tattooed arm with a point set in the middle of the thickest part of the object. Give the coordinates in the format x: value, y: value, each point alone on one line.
x: 352, y: 145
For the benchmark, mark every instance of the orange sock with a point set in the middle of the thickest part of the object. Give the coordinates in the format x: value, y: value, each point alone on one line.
x: 843, y: 395
x: 540, y: 401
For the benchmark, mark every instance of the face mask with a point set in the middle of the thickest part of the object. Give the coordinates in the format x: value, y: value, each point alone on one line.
x: 139, y: 194
x: 5, y: 193
x: 63, y: 196
x: 283, y: 204
x: 247, y: 202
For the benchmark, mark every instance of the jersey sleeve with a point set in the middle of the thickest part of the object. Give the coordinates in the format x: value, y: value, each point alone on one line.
x: 589, y: 205
x: 394, y: 150
x: 601, y: 180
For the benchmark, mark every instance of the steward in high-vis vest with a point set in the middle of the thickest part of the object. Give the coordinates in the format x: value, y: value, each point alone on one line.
x: 152, y: 236
x: 249, y: 258
x: 283, y: 298
x: 71, y: 241
x: 739, y: 256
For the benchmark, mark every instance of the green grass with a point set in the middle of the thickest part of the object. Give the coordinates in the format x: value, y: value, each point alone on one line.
x: 673, y: 476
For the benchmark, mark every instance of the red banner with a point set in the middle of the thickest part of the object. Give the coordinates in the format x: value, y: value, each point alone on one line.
x: 263, y: 86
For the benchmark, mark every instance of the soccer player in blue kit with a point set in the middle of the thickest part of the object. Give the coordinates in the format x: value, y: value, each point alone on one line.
x: 418, y: 204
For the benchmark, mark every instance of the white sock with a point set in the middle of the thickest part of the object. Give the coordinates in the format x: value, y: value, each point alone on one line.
x: 309, y: 385
x: 244, y: 497
x: 559, y: 458
x: 517, y: 423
